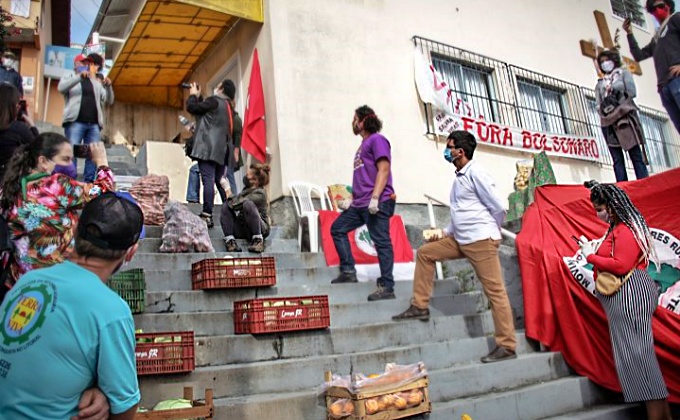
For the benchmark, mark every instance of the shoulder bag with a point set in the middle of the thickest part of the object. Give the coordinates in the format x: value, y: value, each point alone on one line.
x: 607, y: 283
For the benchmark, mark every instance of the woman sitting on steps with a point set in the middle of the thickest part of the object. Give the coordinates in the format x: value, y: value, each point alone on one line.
x: 245, y: 215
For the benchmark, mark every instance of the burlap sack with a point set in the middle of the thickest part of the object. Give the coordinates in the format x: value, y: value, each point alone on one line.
x: 184, y: 231
x: 152, y: 193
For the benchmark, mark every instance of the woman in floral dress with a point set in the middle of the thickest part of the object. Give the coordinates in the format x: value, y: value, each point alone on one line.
x: 41, y: 205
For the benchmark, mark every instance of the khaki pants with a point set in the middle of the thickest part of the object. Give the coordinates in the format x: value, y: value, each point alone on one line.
x: 483, y: 256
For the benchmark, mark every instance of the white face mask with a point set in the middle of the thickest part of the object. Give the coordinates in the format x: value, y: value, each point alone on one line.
x: 7, y: 62
x: 607, y: 66
x: 216, y: 91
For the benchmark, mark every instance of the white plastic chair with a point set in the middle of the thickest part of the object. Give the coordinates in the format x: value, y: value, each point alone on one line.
x: 304, y: 207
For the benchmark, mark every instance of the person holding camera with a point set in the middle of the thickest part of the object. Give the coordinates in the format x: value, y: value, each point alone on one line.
x: 16, y: 127
x: 210, y: 141
x: 84, y: 98
x: 41, y: 205
x: 619, y: 119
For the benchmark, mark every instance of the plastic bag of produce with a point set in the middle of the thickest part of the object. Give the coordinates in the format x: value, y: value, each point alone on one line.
x: 184, y: 231
x: 152, y: 193
x: 341, y: 408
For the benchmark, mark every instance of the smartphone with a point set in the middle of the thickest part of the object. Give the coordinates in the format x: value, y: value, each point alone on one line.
x: 23, y: 108
x: 81, y: 151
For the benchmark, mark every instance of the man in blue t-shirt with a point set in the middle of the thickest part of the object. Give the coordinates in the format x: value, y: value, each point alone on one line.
x: 64, y: 331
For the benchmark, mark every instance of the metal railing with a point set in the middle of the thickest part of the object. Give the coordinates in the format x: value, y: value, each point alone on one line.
x: 483, y: 87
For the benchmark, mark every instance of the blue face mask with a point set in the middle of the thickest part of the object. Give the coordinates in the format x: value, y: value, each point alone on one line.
x: 81, y: 69
x: 447, y: 155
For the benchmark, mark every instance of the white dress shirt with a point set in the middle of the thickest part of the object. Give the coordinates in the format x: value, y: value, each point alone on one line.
x: 477, y: 211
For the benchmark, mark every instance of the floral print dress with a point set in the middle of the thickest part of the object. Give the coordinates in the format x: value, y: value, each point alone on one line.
x: 42, y: 221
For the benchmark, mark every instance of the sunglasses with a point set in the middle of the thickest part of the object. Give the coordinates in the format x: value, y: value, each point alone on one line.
x: 657, y: 7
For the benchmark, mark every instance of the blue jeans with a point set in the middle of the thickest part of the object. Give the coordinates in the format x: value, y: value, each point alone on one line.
x: 670, y: 98
x: 193, y: 184
x: 378, y: 228
x: 84, y: 133
x: 635, y: 155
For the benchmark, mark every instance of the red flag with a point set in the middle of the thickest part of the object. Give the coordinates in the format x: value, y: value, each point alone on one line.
x: 560, y: 309
x: 363, y: 249
x: 254, y: 140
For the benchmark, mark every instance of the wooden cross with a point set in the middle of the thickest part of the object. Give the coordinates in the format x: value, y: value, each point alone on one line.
x: 591, y: 50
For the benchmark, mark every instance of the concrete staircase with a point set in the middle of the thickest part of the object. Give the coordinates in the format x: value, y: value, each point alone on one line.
x: 275, y: 376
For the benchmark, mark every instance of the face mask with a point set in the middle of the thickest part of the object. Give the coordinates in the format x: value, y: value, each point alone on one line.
x: 603, y: 215
x: 216, y: 91
x: 607, y: 66
x: 80, y: 69
x: 7, y: 62
x: 246, y: 182
x: 661, y: 14
x: 68, y: 170
x: 447, y: 155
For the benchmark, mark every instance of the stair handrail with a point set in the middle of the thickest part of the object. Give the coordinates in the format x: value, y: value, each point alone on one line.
x: 433, y: 225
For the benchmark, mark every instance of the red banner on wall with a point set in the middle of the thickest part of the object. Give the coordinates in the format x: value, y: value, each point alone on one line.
x: 363, y: 249
x: 561, y: 312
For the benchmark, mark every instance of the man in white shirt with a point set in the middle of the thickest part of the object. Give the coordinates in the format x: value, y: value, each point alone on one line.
x: 477, y: 214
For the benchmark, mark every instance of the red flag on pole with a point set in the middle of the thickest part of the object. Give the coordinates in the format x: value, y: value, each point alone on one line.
x: 254, y: 140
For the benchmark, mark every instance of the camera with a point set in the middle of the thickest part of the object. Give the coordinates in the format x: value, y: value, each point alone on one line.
x: 186, y: 85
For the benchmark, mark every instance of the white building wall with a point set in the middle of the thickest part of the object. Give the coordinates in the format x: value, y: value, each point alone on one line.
x: 329, y: 57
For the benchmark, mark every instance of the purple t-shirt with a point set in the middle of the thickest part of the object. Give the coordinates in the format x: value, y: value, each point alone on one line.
x: 373, y: 148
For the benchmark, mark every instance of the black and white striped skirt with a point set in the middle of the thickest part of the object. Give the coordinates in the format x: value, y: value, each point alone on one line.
x: 629, y: 312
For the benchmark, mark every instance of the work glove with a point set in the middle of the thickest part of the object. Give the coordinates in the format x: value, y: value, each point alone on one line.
x: 373, y: 206
x: 344, y: 204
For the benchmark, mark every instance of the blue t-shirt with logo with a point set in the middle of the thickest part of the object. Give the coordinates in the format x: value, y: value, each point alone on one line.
x: 64, y: 331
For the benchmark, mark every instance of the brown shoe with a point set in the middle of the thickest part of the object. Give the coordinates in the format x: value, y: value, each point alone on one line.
x: 499, y: 354
x: 256, y: 245
x: 413, y: 312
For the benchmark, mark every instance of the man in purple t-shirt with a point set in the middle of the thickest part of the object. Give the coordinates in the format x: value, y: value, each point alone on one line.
x: 373, y: 202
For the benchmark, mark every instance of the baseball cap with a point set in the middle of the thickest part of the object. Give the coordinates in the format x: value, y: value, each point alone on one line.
x: 9, y: 54
x: 82, y: 57
x: 111, y: 221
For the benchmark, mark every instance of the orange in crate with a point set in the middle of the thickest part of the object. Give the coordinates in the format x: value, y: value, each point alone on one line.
x: 164, y: 352
x: 228, y: 273
x: 267, y: 315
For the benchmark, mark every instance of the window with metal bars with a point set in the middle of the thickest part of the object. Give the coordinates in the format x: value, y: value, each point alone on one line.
x: 662, y: 154
x: 472, y: 87
x: 629, y: 9
x: 542, y: 108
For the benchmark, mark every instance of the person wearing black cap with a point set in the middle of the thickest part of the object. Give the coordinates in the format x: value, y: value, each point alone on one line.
x: 63, y: 329
x: 84, y: 97
x: 212, y: 138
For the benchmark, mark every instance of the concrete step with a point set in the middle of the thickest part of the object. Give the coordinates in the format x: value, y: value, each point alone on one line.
x: 177, y: 301
x: 606, y: 412
x: 271, y: 245
x: 527, y: 403
x: 233, y: 349
x: 231, y: 381
x: 276, y: 232
x: 516, y: 404
x: 342, y: 315
x: 166, y: 262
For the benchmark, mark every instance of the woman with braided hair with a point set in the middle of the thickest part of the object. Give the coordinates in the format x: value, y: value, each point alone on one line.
x: 628, y: 246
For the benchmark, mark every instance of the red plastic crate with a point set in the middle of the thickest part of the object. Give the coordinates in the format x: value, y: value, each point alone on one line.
x: 165, y: 352
x: 267, y: 315
x: 228, y: 273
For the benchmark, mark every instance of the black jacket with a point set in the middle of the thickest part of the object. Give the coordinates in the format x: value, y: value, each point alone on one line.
x: 212, y: 128
x: 665, y: 48
x: 13, y: 78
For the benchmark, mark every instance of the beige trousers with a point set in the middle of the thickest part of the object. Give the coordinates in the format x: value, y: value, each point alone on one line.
x: 483, y: 256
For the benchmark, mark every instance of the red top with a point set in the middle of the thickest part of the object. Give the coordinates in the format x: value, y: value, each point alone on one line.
x: 626, y: 252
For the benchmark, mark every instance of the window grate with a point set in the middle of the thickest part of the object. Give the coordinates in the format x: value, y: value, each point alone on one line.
x: 629, y: 9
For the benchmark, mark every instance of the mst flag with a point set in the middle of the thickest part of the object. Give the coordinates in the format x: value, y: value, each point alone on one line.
x: 254, y: 140
x: 560, y: 307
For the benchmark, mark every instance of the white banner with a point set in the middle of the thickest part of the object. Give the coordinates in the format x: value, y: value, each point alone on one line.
x: 433, y: 90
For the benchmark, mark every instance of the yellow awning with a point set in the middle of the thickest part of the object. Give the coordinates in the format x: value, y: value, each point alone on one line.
x: 167, y: 41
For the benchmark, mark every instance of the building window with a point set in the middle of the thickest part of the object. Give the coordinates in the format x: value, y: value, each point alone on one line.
x: 661, y: 152
x: 629, y: 9
x: 541, y: 108
x: 471, y: 86
x: 596, y: 130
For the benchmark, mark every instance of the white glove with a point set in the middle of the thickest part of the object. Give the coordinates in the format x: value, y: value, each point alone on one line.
x: 344, y: 204
x: 373, y: 206
x: 587, y: 248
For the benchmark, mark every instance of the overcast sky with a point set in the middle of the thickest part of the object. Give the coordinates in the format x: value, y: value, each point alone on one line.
x: 83, y: 13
